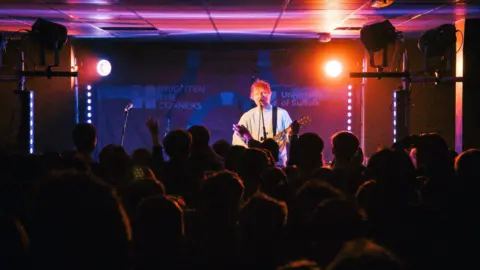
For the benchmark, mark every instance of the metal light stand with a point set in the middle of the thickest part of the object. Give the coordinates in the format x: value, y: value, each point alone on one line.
x: 402, y: 96
x: 23, y: 135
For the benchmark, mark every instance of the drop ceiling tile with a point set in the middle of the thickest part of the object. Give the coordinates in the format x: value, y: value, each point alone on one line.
x: 172, y: 25
x: 245, y: 4
x: 90, y: 2
x: 182, y: 5
x: 26, y: 11
x: 243, y: 24
x: 326, y: 4
x: 85, y: 12
x: 165, y: 14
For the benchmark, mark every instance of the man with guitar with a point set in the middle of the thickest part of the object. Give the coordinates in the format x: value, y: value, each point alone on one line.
x: 264, y: 121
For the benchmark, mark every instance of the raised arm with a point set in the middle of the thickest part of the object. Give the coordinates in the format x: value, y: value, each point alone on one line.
x: 157, y: 149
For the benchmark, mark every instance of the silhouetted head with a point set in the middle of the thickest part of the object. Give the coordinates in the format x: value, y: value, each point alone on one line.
x: 334, y: 222
x: 142, y: 157
x: 178, y: 144
x: 222, y: 193
x: 85, y: 137
x: 344, y: 145
x: 391, y: 167
x: 159, y: 219
x: 432, y: 152
x: 221, y: 147
x: 274, y: 183
x: 116, y: 165
x: 234, y: 157
x: 139, y: 190
x: 253, y: 162
x: 310, y: 147
x: 468, y: 170
x: 263, y: 217
x: 308, y: 197
x: 78, y: 223
x: 364, y: 254
x: 300, y: 265
x: 158, y: 233
x: 200, y: 136
x: 272, y: 146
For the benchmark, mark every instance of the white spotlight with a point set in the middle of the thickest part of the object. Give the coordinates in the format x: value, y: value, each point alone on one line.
x: 333, y: 68
x: 104, y: 67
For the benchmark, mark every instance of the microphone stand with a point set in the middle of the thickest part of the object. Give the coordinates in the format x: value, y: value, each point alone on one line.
x: 170, y: 111
x: 263, y: 123
x: 125, y: 120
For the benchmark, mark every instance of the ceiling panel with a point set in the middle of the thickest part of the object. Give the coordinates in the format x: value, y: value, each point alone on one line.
x: 435, y: 2
x: 92, y: 13
x: 188, y: 25
x: 178, y: 5
x: 325, y: 4
x: 162, y: 14
x: 19, y: 2
x: 83, y: 30
x: 92, y: 2
x: 12, y: 25
x: 313, y: 20
x: 254, y: 24
x: 194, y: 17
x: 245, y: 4
x: 28, y: 11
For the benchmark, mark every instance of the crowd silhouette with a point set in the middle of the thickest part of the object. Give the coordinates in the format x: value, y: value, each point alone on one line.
x: 215, y: 206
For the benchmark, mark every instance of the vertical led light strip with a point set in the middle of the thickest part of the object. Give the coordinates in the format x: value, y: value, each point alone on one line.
x: 31, y: 123
x: 349, y: 108
x: 394, y: 116
x: 88, y: 110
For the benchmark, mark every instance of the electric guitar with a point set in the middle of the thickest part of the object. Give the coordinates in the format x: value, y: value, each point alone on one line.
x: 280, y: 137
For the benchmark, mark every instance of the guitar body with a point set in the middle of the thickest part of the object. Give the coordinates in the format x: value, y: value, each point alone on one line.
x: 281, y: 137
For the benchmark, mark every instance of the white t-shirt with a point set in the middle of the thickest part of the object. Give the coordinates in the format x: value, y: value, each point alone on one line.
x: 252, y: 121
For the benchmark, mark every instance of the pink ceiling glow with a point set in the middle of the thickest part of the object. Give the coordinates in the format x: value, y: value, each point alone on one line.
x: 266, y: 18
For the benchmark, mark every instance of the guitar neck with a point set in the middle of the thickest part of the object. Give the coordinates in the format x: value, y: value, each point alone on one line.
x: 301, y: 122
x: 281, y: 134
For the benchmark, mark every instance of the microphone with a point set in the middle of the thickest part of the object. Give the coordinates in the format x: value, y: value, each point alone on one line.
x: 128, y: 107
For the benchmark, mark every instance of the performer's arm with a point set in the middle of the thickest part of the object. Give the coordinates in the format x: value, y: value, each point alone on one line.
x: 286, y: 122
x: 237, y: 140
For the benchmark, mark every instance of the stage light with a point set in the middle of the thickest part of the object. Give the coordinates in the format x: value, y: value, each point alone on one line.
x: 104, y: 67
x: 437, y: 42
x: 51, y: 36
x: 394, y: 117
x: 377, y: 36
x: 349, y: 108
x: 381, y: 3
x: 88, y: 111
x: 333, y: 68
x: 31, y: 124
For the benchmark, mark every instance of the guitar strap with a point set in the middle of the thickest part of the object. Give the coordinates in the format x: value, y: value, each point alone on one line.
x: 274, y: 120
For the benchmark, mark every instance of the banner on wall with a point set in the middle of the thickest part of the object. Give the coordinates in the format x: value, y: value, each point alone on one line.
x: 203, y: 97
